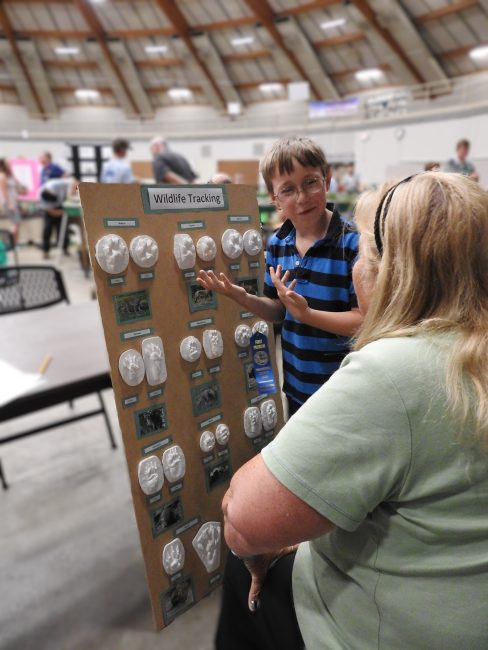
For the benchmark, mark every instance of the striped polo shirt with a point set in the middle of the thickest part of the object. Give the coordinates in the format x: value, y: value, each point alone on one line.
x: 324, y: 278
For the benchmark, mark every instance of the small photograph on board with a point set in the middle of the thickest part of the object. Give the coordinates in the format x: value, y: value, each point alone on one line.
x: 217, y: 474
x: 200, y: 298
x: 177, y: 599
x: 251, y: 383
x: 151, y: 420
x: 251, y: 285
x: 205, y: 397
x: 166, y: 516
x: 133, y: 306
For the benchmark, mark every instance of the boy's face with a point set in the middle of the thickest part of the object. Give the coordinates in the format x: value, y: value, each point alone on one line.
x: 310, y: 204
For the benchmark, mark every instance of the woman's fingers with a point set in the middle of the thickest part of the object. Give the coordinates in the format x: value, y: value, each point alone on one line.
x: 254, y: 592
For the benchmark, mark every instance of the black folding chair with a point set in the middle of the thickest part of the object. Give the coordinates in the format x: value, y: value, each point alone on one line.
x: 9, y: 243
x: 30, y: 287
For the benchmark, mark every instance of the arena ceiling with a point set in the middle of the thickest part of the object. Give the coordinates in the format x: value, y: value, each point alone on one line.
x: 142, y: 55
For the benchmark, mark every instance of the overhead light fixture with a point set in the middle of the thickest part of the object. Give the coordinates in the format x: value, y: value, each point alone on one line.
x: 233, y: 108
x: 156, y: 49
x: 87, y: 93
x: 67, y: 50
x: 478, y: 53
x: 371, y: 74
x: 242, y: 40
x: 330, y: 24
x: 180, y: 93
x: 273, y: 87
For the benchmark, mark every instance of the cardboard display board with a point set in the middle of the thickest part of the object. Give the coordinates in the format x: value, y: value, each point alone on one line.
x: 164, y: 301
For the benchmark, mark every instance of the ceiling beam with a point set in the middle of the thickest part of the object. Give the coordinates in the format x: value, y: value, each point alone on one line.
x: 8, y: 31
x: 159, y: 63
x: 174, y: 14
x: 265, y: 15
x: 53, y: 33
x: 164, y: 89
x: 370, y: 15
x: 65, y: 88
x: 233, y: 23
x: 246, y: 56
x: 306, y: 8
x: 343, y: 39
x: 71, y: 63
x: 247, y: 85
x: 460, y: 51
x: 141, y: 33
x: 91, y: 18
x: 447, y: 10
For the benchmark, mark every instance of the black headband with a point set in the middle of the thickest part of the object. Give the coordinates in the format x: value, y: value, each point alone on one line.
x: 379, y: 220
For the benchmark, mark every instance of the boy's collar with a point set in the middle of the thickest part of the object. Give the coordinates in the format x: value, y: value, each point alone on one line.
x: 335, y: 225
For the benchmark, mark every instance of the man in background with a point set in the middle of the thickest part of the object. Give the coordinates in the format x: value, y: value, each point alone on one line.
x: 461, y: 165
x: 52, y: 195
x: 49, y: 169
x: 169, y: 166
x: 118, y: 169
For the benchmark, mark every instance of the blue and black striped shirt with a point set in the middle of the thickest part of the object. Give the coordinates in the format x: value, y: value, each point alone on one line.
x: 324, y: 278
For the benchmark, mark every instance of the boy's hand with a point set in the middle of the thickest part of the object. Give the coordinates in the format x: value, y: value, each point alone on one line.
x: 221, y: 284
x: 296, y: 305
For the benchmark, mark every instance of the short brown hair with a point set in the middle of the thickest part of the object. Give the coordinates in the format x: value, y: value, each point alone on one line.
x: 463, y: 143
x: 279, y: 159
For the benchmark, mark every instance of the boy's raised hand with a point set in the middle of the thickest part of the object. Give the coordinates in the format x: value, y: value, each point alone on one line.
x: 296, y: 305
x: 220, y: 284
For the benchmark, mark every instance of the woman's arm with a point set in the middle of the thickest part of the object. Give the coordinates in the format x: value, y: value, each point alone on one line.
x: 262, y: 516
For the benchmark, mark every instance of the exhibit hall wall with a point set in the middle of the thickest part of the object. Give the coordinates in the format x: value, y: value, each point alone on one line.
x: 376, y: 148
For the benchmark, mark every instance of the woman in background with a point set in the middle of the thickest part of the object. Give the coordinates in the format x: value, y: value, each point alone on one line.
x: 10, y: 188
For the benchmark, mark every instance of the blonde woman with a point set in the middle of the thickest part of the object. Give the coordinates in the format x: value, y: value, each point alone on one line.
x: 382, y: 476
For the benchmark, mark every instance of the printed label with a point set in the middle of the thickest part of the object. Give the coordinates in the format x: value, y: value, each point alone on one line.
x: 128, y: 401
x: 126, y: 336
x: 156, y: 445
x: 214, y: 579
x: 176, y: 576
x: 175, y: 488
x: 254, y: 265
x: 191, y: 225
x: 121, y: 223
x: 209, y: 421
x: 239, y: 218
x: 258, y: 398
x: 187, y: 526
x: 146, y: 275
x: 200, y: 323
x: 242, y: 355
x: 213, y: 369
x: 154, y: 499
x: 208, y: 459
x: 247, y: 314
x: 235, y: 267
x: 155, y: 393
x: 188, y: 275
x: 196, y: 374
x: 118, y: 280
x: 183, y: 198
x: 223, y: 453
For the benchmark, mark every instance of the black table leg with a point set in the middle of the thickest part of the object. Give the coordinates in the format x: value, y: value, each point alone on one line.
x: 107, y: 422
x: 2, y: 478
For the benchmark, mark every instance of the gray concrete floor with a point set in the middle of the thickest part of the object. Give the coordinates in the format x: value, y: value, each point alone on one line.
x: 71, y: 570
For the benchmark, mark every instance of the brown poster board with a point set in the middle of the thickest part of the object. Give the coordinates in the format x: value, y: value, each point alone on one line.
x: 164, y: 301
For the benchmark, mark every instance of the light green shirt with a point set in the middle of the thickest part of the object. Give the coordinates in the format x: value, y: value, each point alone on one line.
x: 376, y: 452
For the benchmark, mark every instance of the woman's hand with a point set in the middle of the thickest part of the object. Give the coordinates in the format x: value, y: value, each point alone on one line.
x: 296, y: 305
x: 258, y: 566
x: 220, y: 284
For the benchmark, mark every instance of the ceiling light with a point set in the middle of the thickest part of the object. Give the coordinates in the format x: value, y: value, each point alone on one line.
x: 480, y: 52
x: 371, y: 74
x: 180, y: 93
x: 270, y: 87
x: 87, y: 93
x: 67, y: 50
x: 242, y: 40
x: 156, y: 49
x: 330, y: 24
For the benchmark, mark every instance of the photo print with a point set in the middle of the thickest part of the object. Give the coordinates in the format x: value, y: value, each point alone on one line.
x: 200, y: 298
x: 151, y: 420
x: 205, y: 397
x: 133, y: 306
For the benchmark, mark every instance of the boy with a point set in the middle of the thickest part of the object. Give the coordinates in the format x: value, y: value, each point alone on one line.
x: 316, y: 251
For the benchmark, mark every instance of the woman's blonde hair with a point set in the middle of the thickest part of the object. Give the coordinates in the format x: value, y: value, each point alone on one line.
x: 433, y: 278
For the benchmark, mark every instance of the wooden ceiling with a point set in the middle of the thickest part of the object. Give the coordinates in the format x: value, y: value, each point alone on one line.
x: 142, y: 55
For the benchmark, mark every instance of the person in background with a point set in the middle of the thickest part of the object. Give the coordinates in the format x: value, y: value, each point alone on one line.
x: 308, y: 280
x: 381, y: 478
x: 52, y: 195
x: 220, y: 179
x: 118, y: 169
x: 10, y: 188
x: 432, y: 166
x: 169, y: 166
x: 49, y: 169
x: 350, y: 181
x: 460, y: 164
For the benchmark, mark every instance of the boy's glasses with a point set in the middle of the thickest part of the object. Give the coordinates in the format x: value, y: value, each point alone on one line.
x: 310, y: 186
